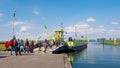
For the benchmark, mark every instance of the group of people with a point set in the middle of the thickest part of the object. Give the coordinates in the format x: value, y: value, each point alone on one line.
x: 27, y: 46
x: 18, y: 46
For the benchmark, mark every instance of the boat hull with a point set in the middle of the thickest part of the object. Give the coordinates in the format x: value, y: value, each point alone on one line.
x: 66, y: 49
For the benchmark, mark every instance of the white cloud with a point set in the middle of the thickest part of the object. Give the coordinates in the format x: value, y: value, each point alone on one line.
x: 101, y: 26
x: 36, y: 12
x: 24, y: 28
x: 17, y: 23
x: 90, y: 19
x: 84, y: 29
x: 100, y: 30
x: 22, y: 35
x: 43, y: 18
x: 1, y: 14
x: 30, y: 35
x: 23, y: 25
x: 114, y: 23
x: 82, y: 26
x: 113, y: 31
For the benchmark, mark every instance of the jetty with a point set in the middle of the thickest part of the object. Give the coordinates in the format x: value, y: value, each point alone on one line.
x: 34, y: 60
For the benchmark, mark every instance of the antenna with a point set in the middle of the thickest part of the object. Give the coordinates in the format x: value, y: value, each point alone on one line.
x: 62, y: 25
x: 75, y: 31
x: 62, y: 31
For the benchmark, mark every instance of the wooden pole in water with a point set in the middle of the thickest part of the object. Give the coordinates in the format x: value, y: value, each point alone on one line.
x: 75, y: 33
x: 115, y: 42
x: 103, y: 40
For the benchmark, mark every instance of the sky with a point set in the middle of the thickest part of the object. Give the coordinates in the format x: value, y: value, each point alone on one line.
x: 93, y: 18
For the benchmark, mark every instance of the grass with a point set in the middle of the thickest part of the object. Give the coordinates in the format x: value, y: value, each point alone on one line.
x: 111, y: 43
x: 2, y: 47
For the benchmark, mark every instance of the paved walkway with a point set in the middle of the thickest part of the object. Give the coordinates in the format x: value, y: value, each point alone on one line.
x: 32, y: 61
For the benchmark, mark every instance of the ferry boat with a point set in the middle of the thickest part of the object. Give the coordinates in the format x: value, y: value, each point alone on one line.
x: 70, y: 45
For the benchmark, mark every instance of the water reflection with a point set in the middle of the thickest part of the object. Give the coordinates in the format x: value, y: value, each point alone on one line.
x: 96, y: 56
x: 77, y: 55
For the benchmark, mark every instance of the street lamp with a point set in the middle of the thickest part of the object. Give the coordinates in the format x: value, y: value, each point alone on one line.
x: 14, y: 14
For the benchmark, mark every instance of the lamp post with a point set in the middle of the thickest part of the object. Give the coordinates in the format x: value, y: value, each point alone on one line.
x: 14, y: 14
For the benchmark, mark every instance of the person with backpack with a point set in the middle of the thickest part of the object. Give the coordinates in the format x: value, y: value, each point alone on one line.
x: 12, y: 45
x: 21, y: 46
x: 15, y: 46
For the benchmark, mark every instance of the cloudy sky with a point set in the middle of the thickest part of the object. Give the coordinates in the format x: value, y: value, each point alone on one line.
x: 94, y: 18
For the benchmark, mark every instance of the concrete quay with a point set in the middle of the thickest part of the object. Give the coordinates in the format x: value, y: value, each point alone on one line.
x: 34, y: 60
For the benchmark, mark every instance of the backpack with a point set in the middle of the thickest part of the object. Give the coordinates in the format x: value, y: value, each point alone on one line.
x: 14, y: 43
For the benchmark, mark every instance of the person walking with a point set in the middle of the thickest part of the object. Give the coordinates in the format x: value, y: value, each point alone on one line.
x: 15, y: 46
x: 21, y: 45
x: 39, y: 43
x: 31, y: 47
x: 12, y: 46
x: 46, y: 45
x: 26, y: 46
x: 18, y: 47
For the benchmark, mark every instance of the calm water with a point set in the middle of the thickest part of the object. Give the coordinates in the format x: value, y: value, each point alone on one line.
x: 96, y: 56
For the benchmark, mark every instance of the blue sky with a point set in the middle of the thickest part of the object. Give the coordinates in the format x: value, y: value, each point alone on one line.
x: 96, y: 18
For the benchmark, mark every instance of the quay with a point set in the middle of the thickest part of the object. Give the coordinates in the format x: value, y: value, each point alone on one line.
x: 34, y: 60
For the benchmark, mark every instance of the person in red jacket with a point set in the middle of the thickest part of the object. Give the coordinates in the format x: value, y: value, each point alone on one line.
x: 14, y: 45
x: 31, y: 47
x: 7, y: 44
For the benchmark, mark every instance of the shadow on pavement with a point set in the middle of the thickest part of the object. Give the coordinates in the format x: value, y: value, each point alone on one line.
x: 3, y: 56
x: 27, y: 54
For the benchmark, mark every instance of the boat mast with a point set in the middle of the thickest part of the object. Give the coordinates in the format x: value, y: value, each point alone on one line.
x: 62, y: 26
x: 62, y: 29
x: 75, y: 32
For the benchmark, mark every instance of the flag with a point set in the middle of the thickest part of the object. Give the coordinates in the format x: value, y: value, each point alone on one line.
x: 45, y: 27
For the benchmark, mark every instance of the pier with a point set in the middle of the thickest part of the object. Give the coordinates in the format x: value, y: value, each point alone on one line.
x: 35, y: 60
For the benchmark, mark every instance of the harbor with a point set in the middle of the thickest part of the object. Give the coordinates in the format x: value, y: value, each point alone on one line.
x: 53, y: 52
x: 59, y: 34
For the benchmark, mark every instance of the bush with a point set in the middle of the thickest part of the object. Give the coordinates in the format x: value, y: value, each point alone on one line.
x: 1, y: 42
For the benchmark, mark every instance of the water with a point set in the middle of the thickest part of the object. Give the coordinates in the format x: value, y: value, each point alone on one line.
x: 96, y: 56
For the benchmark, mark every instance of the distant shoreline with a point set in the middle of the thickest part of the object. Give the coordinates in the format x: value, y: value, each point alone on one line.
x: 111, y: 43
